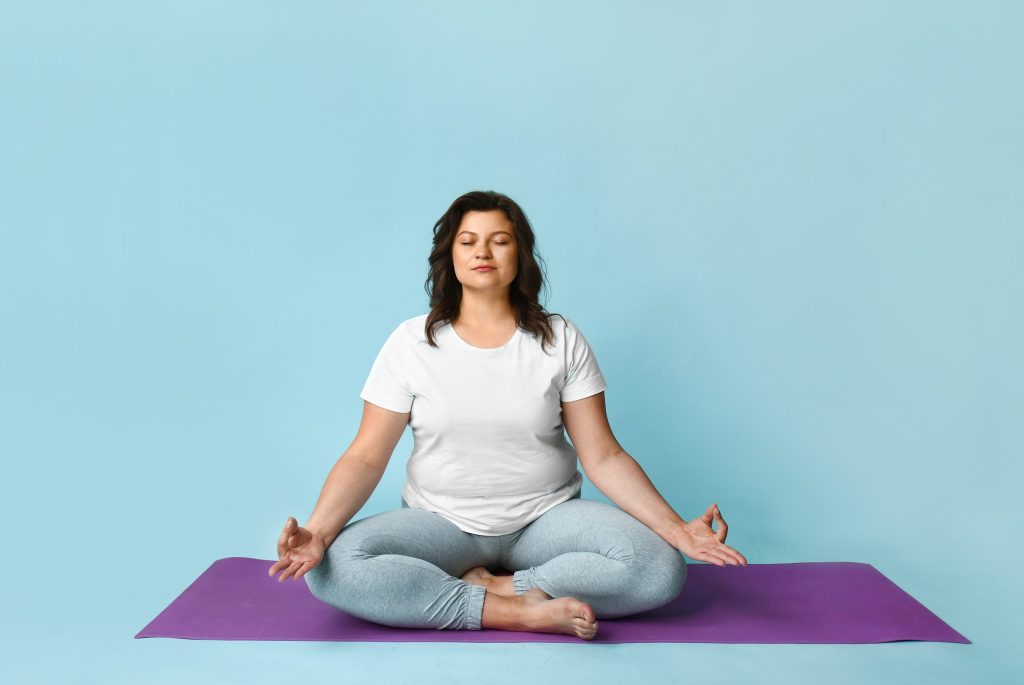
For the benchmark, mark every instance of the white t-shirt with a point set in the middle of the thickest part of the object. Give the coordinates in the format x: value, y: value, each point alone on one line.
x: 489, y: 449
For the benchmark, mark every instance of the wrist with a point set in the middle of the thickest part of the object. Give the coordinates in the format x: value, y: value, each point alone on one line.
x: 675, y: 533
x: 318, y: 532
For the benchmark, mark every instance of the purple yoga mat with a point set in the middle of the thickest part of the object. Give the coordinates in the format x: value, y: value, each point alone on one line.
x: 810, y: 602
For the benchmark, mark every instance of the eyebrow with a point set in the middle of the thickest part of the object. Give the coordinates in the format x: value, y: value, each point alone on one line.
x: 495, y: 233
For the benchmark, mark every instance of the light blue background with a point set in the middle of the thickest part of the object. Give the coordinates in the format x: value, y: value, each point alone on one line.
x: 791, y: 231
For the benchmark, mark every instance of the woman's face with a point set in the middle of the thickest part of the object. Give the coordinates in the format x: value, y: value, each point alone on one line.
x: 485, y: 239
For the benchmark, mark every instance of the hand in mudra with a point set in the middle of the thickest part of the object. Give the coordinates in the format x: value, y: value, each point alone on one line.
x: 298, y: 549
x: 698, y: 540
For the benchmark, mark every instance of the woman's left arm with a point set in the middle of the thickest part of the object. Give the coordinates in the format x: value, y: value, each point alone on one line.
x: 616, y: 474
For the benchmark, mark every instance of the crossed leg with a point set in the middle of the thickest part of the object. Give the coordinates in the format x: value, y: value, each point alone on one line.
x: 598, y: 554
x: 401, y: 568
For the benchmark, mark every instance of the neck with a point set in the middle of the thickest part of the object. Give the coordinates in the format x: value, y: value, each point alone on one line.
x: 485, y: 310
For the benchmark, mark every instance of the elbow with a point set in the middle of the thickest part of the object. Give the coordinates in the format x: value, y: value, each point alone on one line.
x: 593, y: 463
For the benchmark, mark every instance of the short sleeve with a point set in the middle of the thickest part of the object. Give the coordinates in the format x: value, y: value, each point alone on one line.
x: 583, y: 376
x: 385, y: 386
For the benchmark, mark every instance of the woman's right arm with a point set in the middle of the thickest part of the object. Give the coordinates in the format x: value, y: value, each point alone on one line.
x: 357, y: 472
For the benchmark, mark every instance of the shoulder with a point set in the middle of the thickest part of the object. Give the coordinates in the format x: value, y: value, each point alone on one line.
x: 411, y: 329
x: 562, y: 325
x: 559, y: 321
x: 567, y: 336
x: 406, y: 330
x: 413, y: 323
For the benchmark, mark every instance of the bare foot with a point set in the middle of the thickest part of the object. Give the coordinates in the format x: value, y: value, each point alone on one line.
x: 565, y: 615
x: 499, y: 585
x: 478, y: 575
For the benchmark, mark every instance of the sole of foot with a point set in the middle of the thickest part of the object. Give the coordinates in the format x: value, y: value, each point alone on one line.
x: 499, y: 585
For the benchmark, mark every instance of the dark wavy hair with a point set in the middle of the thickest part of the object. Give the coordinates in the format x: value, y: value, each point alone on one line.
x: 444, y: 288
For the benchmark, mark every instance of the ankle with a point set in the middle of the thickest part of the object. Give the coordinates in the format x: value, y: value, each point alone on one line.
x: 501, y: 585
x: 507, y: 612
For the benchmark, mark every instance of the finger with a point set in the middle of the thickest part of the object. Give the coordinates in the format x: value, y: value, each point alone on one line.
x: 733, y: 557
x: 736, y: 554
x: 285, y: 565
x: 723, y: 527
x: 729, y: 559
x: 294, y: 568
x: 724, y: 556
x: 282, y: 563
x: 713, y: 558
x: 709, y: 514
x: 290, y: 570
x: 282, y: 540
x: 298, y: 573
x: 306, y: 567
x: 300, y: 537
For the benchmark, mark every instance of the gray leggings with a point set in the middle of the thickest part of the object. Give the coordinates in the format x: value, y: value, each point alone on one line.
x: 403, y: 567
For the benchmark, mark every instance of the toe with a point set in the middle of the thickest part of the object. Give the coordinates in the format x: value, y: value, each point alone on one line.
x: 583, y: 624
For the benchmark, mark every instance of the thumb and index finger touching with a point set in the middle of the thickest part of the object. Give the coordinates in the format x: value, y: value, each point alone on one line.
x: 712, y: 514
x: 292, y: 529
x: 285, y: 543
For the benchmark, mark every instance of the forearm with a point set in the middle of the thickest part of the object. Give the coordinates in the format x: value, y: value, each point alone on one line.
x: 349, y: 484
x: 624, y: 482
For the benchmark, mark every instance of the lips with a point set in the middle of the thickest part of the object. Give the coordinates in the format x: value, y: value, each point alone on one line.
x: 483, y: 268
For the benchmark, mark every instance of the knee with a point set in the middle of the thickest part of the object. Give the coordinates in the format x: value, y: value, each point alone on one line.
x: 664, y: 576
x: 675, y: 576
x: 321, y: 581
x: 332, y: 579
x: 315, y: 580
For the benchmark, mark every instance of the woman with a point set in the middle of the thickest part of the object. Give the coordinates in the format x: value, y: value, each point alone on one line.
x: 487, y: 380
